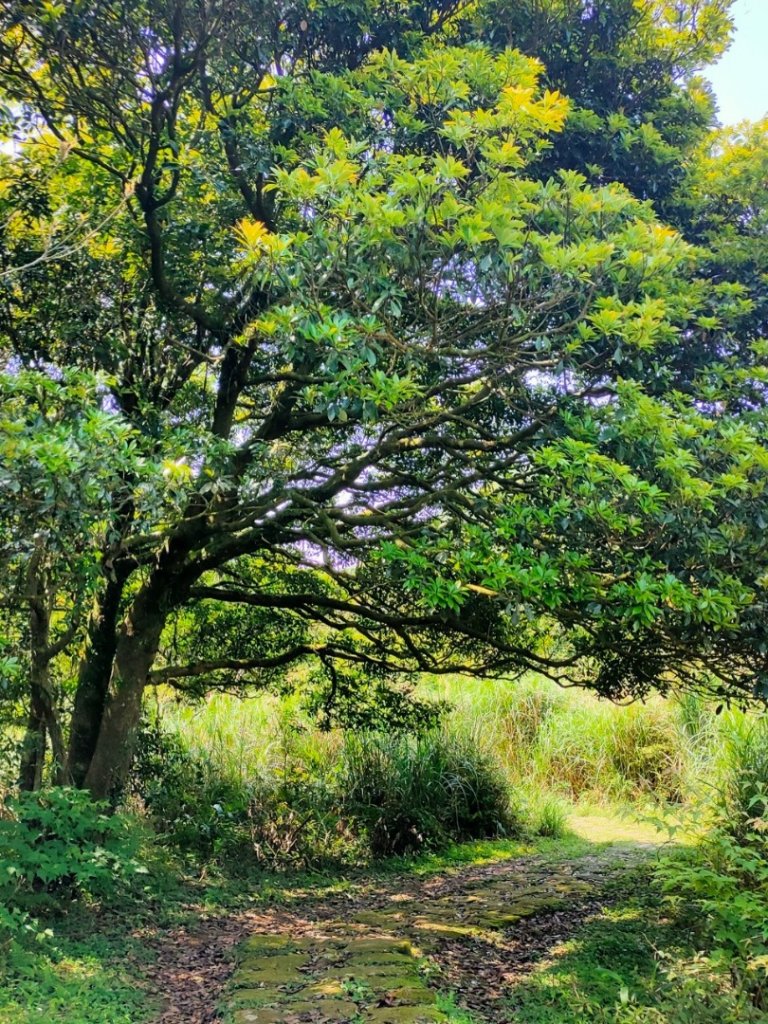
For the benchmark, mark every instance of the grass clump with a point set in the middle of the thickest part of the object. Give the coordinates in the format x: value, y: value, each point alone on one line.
x: 548, y: 815
x: 741, y: 796
x: 306, y: 799
x: 423, y: 792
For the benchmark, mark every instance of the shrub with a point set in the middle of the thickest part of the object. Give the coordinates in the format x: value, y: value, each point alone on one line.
x: 722, y: 885
x: 722, y: 881
x: 57, y: 846
x: 193, y: 805
x: 297, y: 797
x: 415, y: 792
x: 280, y: 814
x: 307, y: 830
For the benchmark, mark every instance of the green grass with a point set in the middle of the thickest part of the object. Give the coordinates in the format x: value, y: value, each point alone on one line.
x: 248, y: 738
x: 631, y: 965
x: 446, y: 1001
x: 69, y: 979
x: 578, y: 985
x: 563, y: 753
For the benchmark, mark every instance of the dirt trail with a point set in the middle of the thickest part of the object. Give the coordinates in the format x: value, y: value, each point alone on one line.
x: 378, y: 956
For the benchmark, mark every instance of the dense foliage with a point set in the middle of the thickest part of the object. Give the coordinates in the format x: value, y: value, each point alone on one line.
x: 720, y: 884
x: 55, y: 848
x: 310, y: 804
x: 374, y: 339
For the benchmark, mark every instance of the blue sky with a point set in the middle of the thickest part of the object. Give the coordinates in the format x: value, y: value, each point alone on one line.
x: 740, y: 78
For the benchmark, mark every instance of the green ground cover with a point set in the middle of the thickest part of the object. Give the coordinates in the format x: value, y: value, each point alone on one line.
x: 645, y: 958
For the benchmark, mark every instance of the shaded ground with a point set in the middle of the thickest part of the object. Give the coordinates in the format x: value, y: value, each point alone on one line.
x: 378, y: 952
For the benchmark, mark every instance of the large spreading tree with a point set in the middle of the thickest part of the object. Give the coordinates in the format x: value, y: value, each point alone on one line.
x: 381, y: 338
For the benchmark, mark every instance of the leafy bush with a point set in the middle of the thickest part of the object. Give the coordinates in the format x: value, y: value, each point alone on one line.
x: 414, y: 792
x: 722, y: 882
x: 723, y: 887
x: 57, y: 846
x: 193, y: 805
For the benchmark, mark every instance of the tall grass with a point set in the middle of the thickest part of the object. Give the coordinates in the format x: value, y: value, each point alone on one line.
x: 259, y: 775
x: 246, y: 738
x: 440, y: 785
x: 739, y: 796
x: 503, y: 752
x: 570, y: 743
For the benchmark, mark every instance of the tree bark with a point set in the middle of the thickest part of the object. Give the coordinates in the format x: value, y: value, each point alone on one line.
x: 137, y: 644
x: 43, y: 721
x: 33, y: 748
x: 93, y: 680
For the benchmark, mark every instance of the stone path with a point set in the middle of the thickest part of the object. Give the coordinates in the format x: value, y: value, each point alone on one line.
x: 334, y: 977
x: 373, y: 962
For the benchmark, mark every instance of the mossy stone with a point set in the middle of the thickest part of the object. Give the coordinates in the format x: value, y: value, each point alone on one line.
x: 256, y: 997
x: 402, y: 970
x: 380, y: 945
x: 378, y: 918
x: 382, y: 983
x: 412, y: 995
x: 443, y: 929
x: 499, y: 920
x: 404, y: 1015
x: 369, y: 959
x: 318, y: 1011
x: 279, y: 962
x: 259, y: 1017
x: 536, y: 906
x: 267, y: 943
x: 253, y: 977
x: 322, y: 1009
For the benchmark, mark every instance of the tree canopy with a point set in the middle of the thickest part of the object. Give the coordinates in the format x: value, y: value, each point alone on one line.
x: 381, y: 340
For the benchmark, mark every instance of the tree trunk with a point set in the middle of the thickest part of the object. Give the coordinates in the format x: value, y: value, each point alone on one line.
x: 137, y: 645
x: 43, y: 720
x: 33, y: 748
x: 58, y: 747
x: 93, y: 680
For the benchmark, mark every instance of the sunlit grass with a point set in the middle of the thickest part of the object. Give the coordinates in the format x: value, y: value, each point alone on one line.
x: 631, y: 964
x: 83, y: 985
x: 553, y: 744
x: 615, y: 829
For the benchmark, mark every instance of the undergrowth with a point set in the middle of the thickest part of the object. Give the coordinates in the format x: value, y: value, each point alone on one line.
x: 324, y: 799
x: 229, y: 778
x: 235, y: 789
x: 633, y: 964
